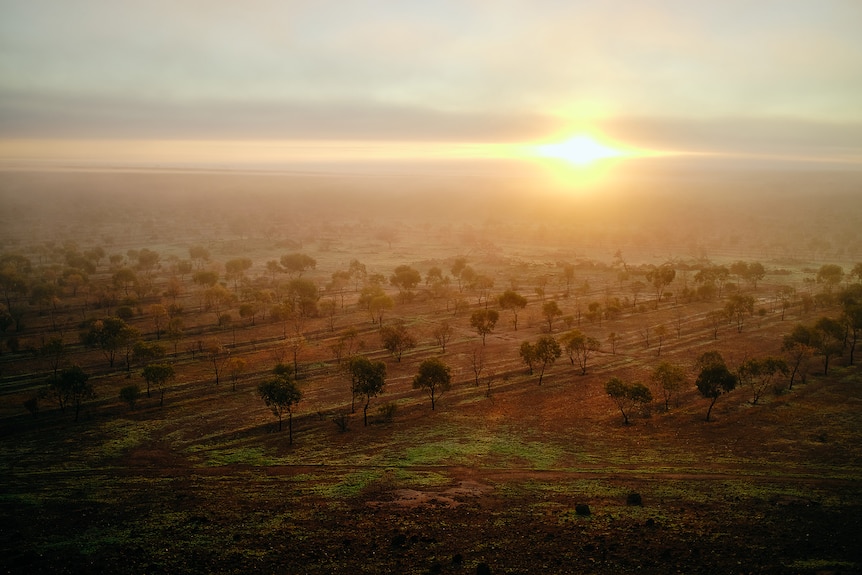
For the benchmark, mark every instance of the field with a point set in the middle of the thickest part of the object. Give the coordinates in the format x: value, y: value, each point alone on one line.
x: 200, y: 480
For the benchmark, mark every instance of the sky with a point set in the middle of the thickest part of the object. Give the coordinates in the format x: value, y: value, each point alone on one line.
x: 772, y: 78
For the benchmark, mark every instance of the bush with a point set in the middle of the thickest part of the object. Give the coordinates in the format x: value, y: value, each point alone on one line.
x: 125, y: 312
x: 387, y: 411
x: 130, y: 395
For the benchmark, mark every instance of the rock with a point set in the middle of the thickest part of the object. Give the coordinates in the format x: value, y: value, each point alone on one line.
x: 582, y: 509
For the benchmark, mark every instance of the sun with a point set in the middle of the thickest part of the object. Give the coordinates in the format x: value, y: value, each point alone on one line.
x: 581, y: 151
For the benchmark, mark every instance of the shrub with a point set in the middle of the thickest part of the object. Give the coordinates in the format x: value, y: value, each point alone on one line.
x: 387, y: 411
x: 130, y: 395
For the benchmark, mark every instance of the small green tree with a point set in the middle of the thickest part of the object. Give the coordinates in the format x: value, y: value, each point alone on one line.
x: 442, y: 334
x: 367, y: 379
x: 434, y: 377
x: 235, y: 368
x: 158, y: 374
x: 551, y: 311
x: 72, y: 386
x: 668, y: 379
x: 660, y: 278
x: 130, y: 394
x: 528, y: 354
x: 405, y: 279
x: 513, y: 302
x: 828, y: 339
x: 759, y: 374
x: 627, y: 396
x: 580, y: 348
x: 109, y: 335
x: 714, y: 378
x: 547, y: 350
x: 297, y: 263
x: 397, y: 339
x: 484, y: 321
x: 280, y: 394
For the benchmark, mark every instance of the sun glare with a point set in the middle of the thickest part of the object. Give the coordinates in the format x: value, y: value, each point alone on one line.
x: 581, y: 150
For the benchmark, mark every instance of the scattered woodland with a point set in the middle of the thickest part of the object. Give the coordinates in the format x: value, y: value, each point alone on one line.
x: 208, y: 372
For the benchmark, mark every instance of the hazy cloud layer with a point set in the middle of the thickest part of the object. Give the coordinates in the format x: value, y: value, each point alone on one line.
x: 459, y: 70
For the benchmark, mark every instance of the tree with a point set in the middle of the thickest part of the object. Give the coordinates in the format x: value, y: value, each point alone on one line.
x: 235, y: 270
x: 580, y: 348
x: 434, y: 377
x: 130, y: 394
x: 798, y: 347
x: 458, y: 267
x: 175, y: 331
x: 738, y: 307
x: 297, y: 263
x: 248, y: 310
x: 613, y: 339
x: 483, y: 321
x: 374, y: 299
x: 158, y: 313
x: 397, y: 339
x: 551, y: 311
x: 54, y: 350
x: 636, y: 288
x: 367, y: 379
x: 569, y: 277
x: 715, y: 319
x: 280, y: 394
x: 125, y: 278
x: 759, y: 374
x: 785, y: 296
x: 714, y: 378
x: 828, y: 339
x: 660, y: 278
x: 216, y: 354
x: 147, y: 351
x: 668, y: 379
x: 830, y: 275
x: 627, y: 396
x: 158, y: 374
x: 72, y: 386
x: 235, y: 367
x: 442, y: 334
x: 303, y: 295
x: 109, y: 335
x: 405, y: 279
x: 547, y: 350
x: 14, y: 270
x: 528, y: 354
x: 199, y: 255
x: 851, y: 303
x: 756, y: 272
x: 514, y: 302
x: 477, y: 362
x: 358, y: 273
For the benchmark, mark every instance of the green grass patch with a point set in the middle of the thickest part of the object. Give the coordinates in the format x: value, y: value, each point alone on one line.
x: 350, y: 485
x: 123, y: 435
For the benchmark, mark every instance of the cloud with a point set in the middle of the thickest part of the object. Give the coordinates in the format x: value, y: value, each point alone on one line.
x: 36, y: 116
